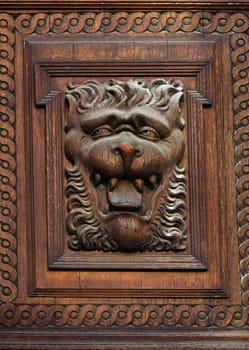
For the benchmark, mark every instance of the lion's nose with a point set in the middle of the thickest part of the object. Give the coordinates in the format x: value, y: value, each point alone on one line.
x: 127, y: 151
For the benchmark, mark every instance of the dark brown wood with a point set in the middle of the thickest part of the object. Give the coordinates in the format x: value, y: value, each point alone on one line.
x: 99, y: 5
x: 125, y: 339
x: 53, y: 296
x: 125, y: 186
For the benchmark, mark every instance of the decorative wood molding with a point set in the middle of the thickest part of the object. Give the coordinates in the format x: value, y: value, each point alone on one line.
x: 45, y: 94
x: 99, y: 5
x: 136, y: 22
x: 8, y: 244
x: 234, y: 24
x: 121, y: 338
x: 124, y: 315
x: 240, y: 72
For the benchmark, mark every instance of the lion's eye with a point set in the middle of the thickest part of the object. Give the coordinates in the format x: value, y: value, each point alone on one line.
x: 102, y: 131
x: 149, y: 133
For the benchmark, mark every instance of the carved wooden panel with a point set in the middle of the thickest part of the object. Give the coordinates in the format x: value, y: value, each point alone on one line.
x: 125, y: 188
x: 90, y: 101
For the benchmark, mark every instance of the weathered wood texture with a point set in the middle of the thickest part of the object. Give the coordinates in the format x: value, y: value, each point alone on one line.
x: 77, y: 5
x: 125, y: 339
x: 53, y: 297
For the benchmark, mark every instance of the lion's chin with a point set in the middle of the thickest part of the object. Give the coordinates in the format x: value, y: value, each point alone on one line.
x: 126, y: 208
x: 127, y: 231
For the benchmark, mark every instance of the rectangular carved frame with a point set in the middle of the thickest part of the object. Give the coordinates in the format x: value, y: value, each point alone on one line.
x: 54, y: 66
x: 16, y: 308
x: 46, y: 92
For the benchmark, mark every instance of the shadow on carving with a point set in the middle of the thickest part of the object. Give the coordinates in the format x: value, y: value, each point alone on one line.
x: 126, y: 188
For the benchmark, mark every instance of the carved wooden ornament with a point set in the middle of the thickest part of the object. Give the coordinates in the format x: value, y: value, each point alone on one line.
x: 126, y: 188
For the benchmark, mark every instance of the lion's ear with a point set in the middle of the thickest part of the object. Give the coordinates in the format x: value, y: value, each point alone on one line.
x: 181, y: 101
x: 181, y: 121
x: 72, y: 119
x: 174, y: 113
x: 72, y: 144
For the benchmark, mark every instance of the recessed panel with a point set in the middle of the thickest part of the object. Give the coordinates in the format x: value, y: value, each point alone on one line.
x: 123, y: 246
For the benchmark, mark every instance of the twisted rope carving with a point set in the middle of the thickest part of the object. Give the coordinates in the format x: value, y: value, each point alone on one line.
x: 137, y: 22
x: 124, y: 315
x: 8, y: 259
x: 240, y: 59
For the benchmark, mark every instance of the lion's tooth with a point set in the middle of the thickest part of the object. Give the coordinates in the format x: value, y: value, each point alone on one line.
x: 153, y: 180
x: 112, y: 184
x: 97, y: 178
x: 139, y: 184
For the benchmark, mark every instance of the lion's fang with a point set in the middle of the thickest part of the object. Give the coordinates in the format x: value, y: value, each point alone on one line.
x: 139, y: 184
x: 153, y: 180
x: 112, y: 184
x: 97, y: 178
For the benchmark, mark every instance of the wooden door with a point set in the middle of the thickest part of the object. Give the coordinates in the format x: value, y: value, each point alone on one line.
x: 124, y: 175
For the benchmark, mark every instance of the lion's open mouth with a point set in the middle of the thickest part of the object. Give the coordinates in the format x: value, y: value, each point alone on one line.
x: 125, y: 195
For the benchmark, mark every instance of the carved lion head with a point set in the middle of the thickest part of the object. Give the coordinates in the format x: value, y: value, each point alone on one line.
x: 125, y: 191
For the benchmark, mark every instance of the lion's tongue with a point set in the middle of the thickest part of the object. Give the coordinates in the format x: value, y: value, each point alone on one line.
x: 125, y: 196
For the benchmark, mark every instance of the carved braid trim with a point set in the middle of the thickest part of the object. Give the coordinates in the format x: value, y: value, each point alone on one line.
x: 138, y: 22
x: 8, y: 242
x: 124, y: 315
x: 240, y: 60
